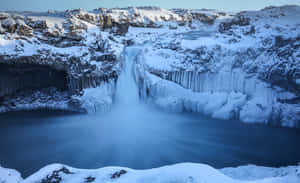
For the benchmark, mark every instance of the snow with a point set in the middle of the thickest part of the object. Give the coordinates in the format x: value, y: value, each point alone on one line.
x: 47, y: 98
x: 234, y: 101
x: 193, y: 44
x: 254, y: 111
x: 9, y: 176
x: 51, y: 21
x: 184, y: 172
x: 99, y: 99
x: 63, y: 53
x: 253, y: 172
x: 232, y: 66
x: 143, y: 16
x: 171, y: 96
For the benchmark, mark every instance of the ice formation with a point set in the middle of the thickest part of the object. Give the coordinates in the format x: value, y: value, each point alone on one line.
x: 245, y: 67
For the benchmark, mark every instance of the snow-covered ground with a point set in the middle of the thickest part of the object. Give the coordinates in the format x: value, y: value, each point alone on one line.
x: 185, y: 172
x: 248, y: 61
x: 245, y: 67
x: 9, y: 176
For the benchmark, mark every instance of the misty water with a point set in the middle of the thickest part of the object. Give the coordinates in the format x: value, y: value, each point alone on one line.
x: 138, y: 135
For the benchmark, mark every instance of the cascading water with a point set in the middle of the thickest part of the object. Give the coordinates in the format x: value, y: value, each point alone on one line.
x: 128, y: 109
x: 127, y: 90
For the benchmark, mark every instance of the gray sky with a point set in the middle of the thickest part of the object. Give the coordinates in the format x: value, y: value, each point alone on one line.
x: 228, y: 5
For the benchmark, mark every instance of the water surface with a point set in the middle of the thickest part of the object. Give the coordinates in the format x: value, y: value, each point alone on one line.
x: 138, y: 136
x: 31, y: 140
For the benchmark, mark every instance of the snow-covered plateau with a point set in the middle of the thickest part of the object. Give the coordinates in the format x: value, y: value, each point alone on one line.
x: 185, y: 172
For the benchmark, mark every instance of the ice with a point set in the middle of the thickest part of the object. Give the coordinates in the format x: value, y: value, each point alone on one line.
x: 234, y: 101
x: 255, y: 111
x: 98, y: 99
x: 215, y: 102
x: 236, y: 67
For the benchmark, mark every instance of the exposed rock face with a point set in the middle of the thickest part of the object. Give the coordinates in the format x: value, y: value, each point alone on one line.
x: 251, y: 58
x: 238, y: 20
x: 72, y: 51
x: 53, y: 50
x: 241, y: 69
x: 18, y: 77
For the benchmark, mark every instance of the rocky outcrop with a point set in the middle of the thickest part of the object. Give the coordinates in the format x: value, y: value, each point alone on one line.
x: 229, y: 72
x: 57, y: 52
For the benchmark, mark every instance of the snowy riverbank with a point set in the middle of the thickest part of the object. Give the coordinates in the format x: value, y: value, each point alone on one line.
x: 185, y: 172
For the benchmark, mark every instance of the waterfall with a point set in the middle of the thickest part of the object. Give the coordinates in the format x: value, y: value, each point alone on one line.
x: 127, y: 91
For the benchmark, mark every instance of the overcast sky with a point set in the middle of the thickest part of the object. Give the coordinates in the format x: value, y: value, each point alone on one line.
x: 228, y: 5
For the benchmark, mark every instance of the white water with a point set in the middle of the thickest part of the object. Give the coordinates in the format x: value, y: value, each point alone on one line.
x: 127, y: 90
x: 128, y: 109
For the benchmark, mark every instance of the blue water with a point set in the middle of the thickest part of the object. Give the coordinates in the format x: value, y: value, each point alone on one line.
x: 31, y: 140
x: 138, y: 136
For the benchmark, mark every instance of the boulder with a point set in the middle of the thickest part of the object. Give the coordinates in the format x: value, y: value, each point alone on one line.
x: 4, y: 16
x: 24, y: 30
x: 10, y: 25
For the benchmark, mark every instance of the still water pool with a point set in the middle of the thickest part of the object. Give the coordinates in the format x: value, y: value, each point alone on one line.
x: 139, y: 138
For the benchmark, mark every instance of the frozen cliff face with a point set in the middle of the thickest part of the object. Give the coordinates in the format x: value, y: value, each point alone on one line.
x: 244, y: 67
x: 49, y: 59
x: 249, y: 61
x: 78, y: 49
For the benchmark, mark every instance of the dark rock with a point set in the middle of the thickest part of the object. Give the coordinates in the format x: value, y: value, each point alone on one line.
x: 204, y: 18
x: 39, y: 24
x: 55, y: 177
x: 10, y: 25
x: 121, y: 29
x: 280, y: 42
x: 118, y: 174
x: 3, y: 16
x: 16, y: 77
x: 106, y: 57
x: 107, y: 22
x: 251, y: 31
x: 2, y: 30
x: 238, y: 20
x: 90, y: 179
x: 25, y: 30
x: 128, y: 42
